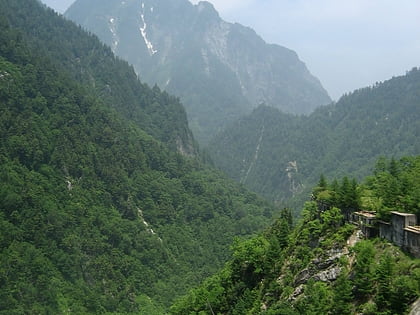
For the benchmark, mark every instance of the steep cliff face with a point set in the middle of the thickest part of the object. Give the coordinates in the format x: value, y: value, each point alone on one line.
x: 220, y: 70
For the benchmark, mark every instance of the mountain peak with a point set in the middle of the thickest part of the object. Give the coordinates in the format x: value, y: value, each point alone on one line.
x: 220, y: 70
x: 206, y: 7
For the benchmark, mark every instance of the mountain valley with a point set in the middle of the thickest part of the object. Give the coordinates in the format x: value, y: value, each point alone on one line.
x: 111, y: 204
x: 281, y: 155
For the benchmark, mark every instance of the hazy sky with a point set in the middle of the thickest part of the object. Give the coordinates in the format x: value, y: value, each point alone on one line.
x: 347, y: 44
x: 58, y: 5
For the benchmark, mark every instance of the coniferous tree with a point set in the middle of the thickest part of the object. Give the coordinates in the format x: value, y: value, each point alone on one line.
x: 316, y: 300
x: 343, y: 295
x: 384, y: 273
x: 363, y: 273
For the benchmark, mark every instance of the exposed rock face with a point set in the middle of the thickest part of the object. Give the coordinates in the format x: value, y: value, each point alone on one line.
x: 220, y: 70
x: 415, y: 309
x: 325, y: 267
x: 330, y: 274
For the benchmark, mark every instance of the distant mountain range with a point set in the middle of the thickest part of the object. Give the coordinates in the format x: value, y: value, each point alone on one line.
x: 218, y: 69
x: 279, y: 155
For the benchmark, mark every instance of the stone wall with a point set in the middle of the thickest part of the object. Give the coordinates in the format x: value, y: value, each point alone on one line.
x: 402, y: 231
x: 412, y: 241
x: 385, y: 230
x: 398, y: 226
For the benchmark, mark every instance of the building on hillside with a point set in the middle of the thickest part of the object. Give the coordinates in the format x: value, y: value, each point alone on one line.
x: 412, y: 240
x: 402, y: 231
x: 366, y: 221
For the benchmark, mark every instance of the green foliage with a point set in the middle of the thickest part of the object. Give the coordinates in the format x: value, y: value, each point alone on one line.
x: 248, y: 259
x: 395, y: 186
x: 269, y: 276
x: 97, y: 215
x: 344, y: 138
x: 234, y: 290
x: 85, y: 59
x: 317, y: 299
x: 342, y: 295
x: 384, y: 272
x: 363, y: 268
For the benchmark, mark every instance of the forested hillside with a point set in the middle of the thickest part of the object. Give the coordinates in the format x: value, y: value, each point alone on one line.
x: 220, y: 70
x: 89, y: 61
x: 281, y: 155
x: 322, y: 266
x: 96, y: 215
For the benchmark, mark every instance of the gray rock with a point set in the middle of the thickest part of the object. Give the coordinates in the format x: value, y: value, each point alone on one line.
x: 328, y: 275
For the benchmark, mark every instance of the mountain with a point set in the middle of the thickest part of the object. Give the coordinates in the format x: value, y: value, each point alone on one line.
x: 98, y: 212
x: 325, y: 264
x: 109, y: 78
x: 218, y: 69
x: 280, y: 155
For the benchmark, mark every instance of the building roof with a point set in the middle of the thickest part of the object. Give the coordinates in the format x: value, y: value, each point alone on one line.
x: 402, y: 214
x: 415, y: 229
x: 367, y: 214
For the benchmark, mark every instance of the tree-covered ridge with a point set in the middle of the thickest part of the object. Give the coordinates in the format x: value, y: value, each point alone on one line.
x: 96, y: 215
x: 320, y: 266
x: 394, y: 186
x: 87, y: 60
x: 280, y: 155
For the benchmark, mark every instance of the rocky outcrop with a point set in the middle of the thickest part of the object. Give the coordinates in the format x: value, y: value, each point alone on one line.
x: 415, y: 309
x: 325, y: 267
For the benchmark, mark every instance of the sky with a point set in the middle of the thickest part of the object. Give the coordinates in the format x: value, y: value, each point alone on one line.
x: 347, y: 44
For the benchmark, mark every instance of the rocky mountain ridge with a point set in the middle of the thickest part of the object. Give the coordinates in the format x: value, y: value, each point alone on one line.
x: 219, y: 70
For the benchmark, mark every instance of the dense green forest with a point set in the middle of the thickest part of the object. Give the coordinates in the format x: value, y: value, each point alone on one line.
x: 321, y: 266
x: 85, y: 59
x: 107, y: 207
x: 96, y: 214
x: 281, y: 156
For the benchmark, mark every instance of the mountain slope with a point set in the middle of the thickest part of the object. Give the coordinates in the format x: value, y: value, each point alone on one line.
x: 87, y: 60
x: 278, y: 155
x: 323, y: 265
x: 220, y: 70
x: 96, y: 215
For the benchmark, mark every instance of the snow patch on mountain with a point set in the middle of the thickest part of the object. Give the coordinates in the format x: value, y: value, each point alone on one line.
x: 149, y: 44
x: 113, y: 29
x: 205, y: 58
x: 167, y: 82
